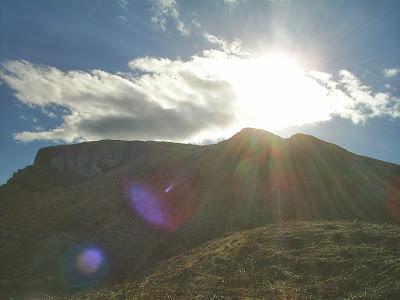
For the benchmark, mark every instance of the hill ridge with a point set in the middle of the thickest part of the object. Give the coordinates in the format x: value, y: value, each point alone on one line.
x: 142, y: 202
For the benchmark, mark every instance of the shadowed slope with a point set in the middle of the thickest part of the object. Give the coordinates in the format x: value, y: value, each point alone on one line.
x: 140, y: 202
x: 290, y: 261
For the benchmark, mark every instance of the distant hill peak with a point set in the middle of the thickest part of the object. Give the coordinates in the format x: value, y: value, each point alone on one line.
x: 248, y: 133
x: 137, y: 203
x: 305, y: 137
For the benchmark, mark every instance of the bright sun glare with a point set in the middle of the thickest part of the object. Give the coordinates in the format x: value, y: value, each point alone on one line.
x: 272, y: 90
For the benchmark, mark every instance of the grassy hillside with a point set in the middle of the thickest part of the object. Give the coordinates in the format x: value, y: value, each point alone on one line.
x: 290, y: 261
x: 142, y: 202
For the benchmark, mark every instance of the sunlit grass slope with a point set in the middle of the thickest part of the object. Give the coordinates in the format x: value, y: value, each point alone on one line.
x: 143, y: 202
x: 340, y: 260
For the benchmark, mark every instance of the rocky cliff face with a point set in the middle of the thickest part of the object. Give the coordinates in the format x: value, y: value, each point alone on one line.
x: 144, y: 201
x: 87, y: 159
x: 67, y: 164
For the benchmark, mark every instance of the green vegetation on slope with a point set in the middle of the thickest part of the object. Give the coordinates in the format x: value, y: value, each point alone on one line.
x: 290, y: 261
x: 91, y: 194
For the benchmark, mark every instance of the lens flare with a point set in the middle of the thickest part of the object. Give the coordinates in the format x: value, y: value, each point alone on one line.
x: 392, y: 196
x: 165, y: 204
x: 247, y: 178
x: 84, y: 266
x: 168, y: 188
x: 89, y: 261
x: 148, y: 205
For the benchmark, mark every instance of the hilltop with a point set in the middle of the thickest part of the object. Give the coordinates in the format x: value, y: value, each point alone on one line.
x: 143, y: 202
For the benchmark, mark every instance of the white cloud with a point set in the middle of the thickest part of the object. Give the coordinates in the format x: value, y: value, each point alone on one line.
x: 391, y: 72
x: 322, y: 76
x: 122, y: 4
x: 232, y: 3
x: 171, y: 105
x: 359, y: 101
x: 164, y: 10
x: 234, y: 47
x: 121, y: 19
x: 207, y: 96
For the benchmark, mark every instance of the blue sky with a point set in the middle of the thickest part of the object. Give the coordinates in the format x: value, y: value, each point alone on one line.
x: 196, y: 71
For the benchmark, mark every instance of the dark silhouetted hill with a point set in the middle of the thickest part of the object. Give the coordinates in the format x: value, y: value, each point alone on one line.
x: 141, y: 202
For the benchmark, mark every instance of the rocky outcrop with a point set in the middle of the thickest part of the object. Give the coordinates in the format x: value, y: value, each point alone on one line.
x: 70, y: 164
x: 87, y: 159
x: 141, y: 202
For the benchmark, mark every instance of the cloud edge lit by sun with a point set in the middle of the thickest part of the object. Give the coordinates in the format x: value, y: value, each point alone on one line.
x: 209, y: 95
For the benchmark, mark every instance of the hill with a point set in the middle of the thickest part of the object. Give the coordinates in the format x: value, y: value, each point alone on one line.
x: 127, y: 205
x: 330, y: 260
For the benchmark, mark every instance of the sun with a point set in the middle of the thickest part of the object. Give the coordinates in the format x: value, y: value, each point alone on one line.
x: 270, y: 89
